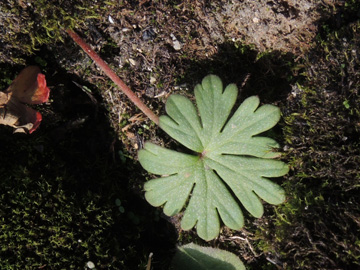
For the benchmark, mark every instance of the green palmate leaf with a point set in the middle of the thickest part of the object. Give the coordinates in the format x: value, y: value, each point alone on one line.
x: 231, y: 164
x: 194, y: 257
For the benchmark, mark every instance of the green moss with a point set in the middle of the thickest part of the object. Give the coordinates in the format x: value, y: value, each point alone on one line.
x: 317, y: 227
x: 31, y: 214
x: 27, y: 26
x: 58, y: 188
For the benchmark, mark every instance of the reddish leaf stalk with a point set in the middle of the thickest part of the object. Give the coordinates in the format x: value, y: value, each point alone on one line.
x: 111, y: 74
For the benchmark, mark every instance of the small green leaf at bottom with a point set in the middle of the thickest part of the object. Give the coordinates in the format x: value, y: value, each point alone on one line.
x: 194, y: 257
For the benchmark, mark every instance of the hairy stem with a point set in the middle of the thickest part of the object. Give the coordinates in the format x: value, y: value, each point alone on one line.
x: 111, y: 74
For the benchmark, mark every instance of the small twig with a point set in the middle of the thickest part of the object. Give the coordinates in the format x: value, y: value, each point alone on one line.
x: 148, y: 266
x: 251, y: 248
x: 111, y: 74
x: 237, y: 237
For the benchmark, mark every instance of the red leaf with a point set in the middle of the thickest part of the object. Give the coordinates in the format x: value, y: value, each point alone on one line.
x: 42, y: 93
x: 28, y: 87
x: 36, y: 122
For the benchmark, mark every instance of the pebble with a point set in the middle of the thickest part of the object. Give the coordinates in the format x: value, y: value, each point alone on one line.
x: 148, y: 34
x: 176, y: 43
x: 152, y: 80
x: 132, y: 61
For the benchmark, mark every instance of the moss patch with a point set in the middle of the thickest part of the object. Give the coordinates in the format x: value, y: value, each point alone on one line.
x: 318, y: 227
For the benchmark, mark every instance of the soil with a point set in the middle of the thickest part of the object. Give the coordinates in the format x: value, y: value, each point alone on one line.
x: 163, y: 47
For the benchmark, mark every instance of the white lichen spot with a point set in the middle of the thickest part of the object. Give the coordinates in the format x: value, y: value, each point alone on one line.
x: 111, y: 19
x: 90, y: 265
